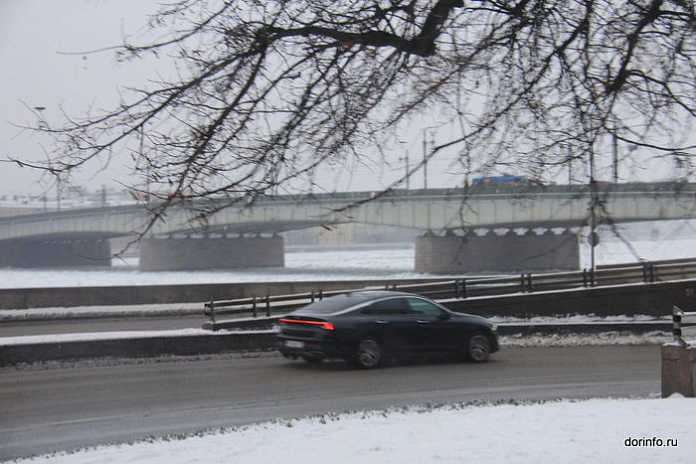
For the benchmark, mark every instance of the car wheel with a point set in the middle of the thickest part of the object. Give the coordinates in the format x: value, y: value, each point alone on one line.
x: 368, y: 354
x: 478, y: 348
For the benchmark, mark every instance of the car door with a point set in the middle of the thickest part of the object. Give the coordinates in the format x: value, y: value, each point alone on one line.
x: 434, y: 330
x: 390, y: 320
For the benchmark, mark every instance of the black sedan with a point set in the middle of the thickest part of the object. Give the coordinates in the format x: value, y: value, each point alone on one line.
x: 367, y: 327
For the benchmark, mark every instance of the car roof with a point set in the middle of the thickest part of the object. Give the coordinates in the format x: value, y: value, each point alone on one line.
x: 344, y: 301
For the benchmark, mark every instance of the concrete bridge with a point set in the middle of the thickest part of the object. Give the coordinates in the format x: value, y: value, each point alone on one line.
x: 503, y: 228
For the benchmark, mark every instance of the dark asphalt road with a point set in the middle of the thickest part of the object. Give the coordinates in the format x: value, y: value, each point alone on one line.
x: 60, y: 408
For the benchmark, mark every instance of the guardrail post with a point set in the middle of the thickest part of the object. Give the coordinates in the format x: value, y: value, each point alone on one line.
x: 464, y: 295
x: 212, y: 311
x: 677, y: 315
x: 311, y: 296
x: 253, y: 306
x: 268, y: 305
x: 588, y: 278
x: 457, y: 294
x: 530, y: 289
x: 523, y: 282
x: 321, y: 294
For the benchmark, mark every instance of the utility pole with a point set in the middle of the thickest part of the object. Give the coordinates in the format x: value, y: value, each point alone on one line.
x: 425, y: 160
x: 408, y: 172
x: 569, y: 157
x: 615, y: 154
x: 58, y: 191
x: 147, y: 170
x: 593, y: 238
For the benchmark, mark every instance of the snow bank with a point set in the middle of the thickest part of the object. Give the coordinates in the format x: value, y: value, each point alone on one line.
x: 600, y: 430
x: 122, y: 335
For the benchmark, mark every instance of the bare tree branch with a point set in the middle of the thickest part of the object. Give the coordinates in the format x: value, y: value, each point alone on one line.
x: 269, y: 92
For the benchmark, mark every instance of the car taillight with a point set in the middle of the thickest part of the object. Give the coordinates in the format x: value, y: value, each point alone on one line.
x: 323, y: 324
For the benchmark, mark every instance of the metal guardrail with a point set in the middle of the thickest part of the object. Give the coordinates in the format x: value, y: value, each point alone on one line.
x: 266, y: 305
x: 646, y: 272
x: 682, y: 322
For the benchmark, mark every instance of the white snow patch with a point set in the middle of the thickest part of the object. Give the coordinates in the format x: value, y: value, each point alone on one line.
x: 577, y: 319
x: 103, y: 310
x: 599, y: 430
x: 91, y: 336
x: 598, y: 339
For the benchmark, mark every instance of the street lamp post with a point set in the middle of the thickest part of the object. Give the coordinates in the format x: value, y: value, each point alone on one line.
x: 593, y: 238
x: 425, y: 160
x: 615, y: 153
x: 408, y: 169
x: 58, y: 191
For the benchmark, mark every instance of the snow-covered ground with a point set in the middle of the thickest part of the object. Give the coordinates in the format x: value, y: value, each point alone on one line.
x: 596, y: 430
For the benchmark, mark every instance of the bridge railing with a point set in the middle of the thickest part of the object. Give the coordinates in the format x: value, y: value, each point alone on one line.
x: 622, y: 274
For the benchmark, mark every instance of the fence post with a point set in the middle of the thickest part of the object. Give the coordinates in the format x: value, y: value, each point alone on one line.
x: 648, y: 273
x: 677, y: 315
x: 212, y: 311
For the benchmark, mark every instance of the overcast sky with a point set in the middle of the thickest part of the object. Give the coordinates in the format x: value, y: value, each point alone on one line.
x: 36, y: 72
x: 41, y: 48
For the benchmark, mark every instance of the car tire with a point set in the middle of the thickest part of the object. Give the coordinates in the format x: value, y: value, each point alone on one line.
x: 368, y: 354
x: 478, y: 347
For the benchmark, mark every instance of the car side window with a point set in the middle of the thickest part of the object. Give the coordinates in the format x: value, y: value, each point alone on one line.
x: 390, y: 307
x: 424, y: 307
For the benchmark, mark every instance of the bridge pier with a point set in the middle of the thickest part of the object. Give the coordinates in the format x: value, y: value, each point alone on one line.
x: 35, y: 253
x: 506, y: 252
x: 200, y: 253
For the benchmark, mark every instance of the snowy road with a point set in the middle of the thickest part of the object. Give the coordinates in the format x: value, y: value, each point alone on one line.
x: 64, y: 407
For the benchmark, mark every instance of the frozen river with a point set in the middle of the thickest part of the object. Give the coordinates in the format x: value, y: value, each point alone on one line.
x: 649, y: 241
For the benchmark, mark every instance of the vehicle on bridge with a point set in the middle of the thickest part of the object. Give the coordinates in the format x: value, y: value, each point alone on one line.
x: 500, y: 180
x: 368, y: 327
